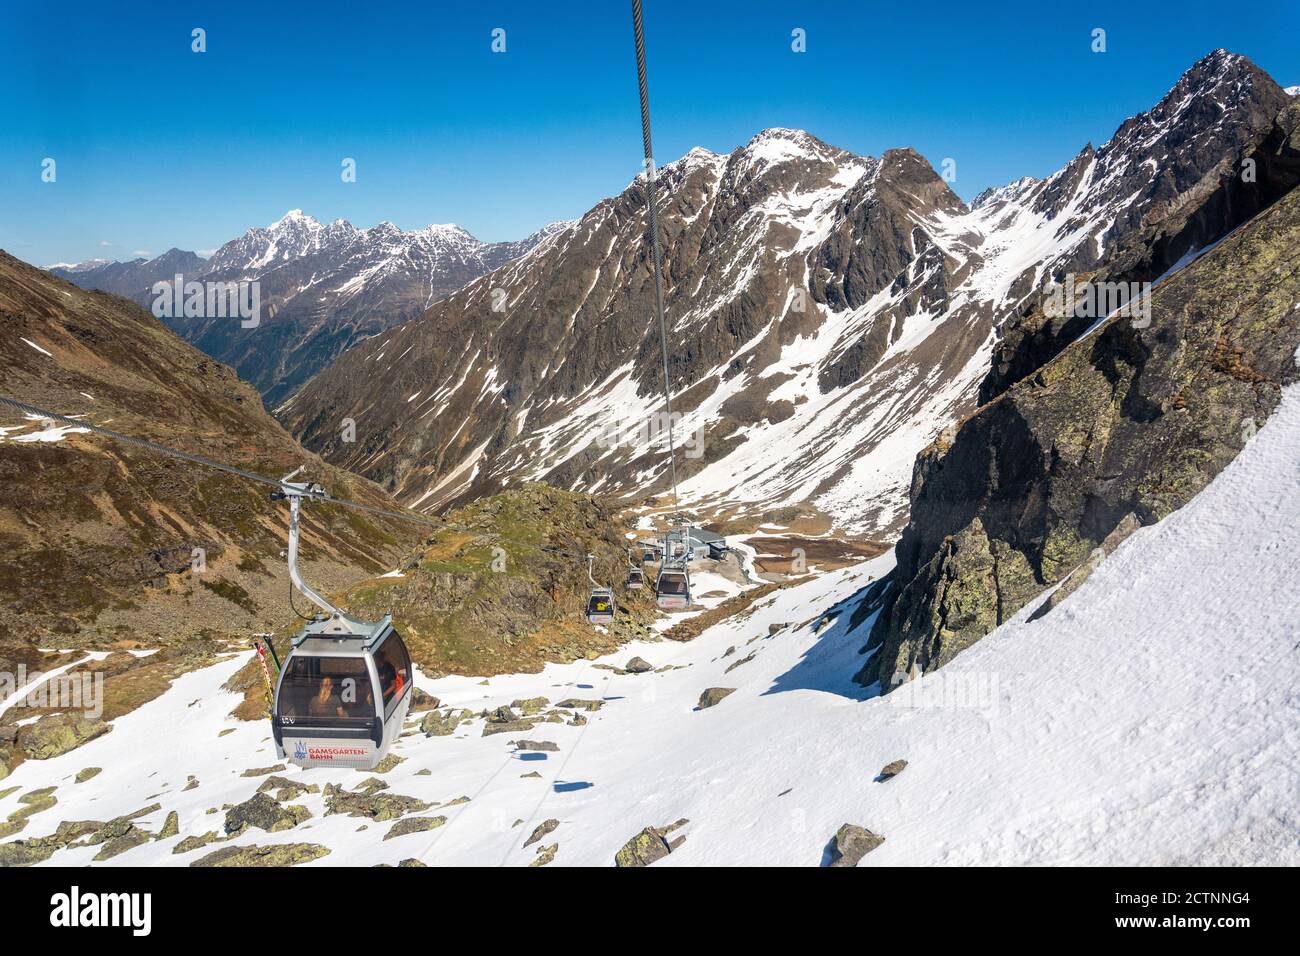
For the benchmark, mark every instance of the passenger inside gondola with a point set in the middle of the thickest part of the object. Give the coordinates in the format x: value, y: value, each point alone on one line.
x: 394, y: 666
x: 326, y: 703
x: 326, y: 688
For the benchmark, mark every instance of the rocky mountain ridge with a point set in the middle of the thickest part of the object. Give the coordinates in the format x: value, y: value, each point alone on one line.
x: 829, y: 315
x: 323, y: 286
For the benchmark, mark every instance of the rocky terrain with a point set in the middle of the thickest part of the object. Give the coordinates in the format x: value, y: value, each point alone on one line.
x: 322, y: 287
x: 100, y: 537
x: 1102, y: 734
x: 830, y: 314
x: 1124, y: 425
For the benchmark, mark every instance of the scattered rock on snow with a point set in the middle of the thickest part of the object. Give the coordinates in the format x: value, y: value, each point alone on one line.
x: 545, y: 745
x: 744, y: 660
x: 532, y: 705
x: 57, y: 734
x: 438, y: 724
x: 377, y: 806
x: 714, y: 695
x: 265, y: 813
x: 420, y: 701
x: 414, y: 825
x: 638, y: 665
x: 131, y: 836
x: 283, y: 854
x: 370, y: 785
x: 851, y: 843
x: 541, y: 831
x: 195, y: 842
x: 388, y: 763
x: 575, y: 703
x: 545, y: 854
x: 171, y: 826
x: 649, y: 845
x: 510, y: 727
x: 890, y: 770
x: 285, y: 788
x: 262, y: 771
x: 88, y: 773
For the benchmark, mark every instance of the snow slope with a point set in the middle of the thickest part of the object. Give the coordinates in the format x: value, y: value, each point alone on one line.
x: 1152, y: 718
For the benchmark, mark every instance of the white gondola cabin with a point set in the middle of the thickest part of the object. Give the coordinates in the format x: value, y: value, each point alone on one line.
x: 673, y: 588
x: 343, y: 694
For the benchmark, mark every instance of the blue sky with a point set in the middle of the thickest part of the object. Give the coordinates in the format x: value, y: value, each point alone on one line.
x: 157, y: 146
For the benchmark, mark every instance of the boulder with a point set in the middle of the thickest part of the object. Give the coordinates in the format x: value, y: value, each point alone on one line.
x: 57, y: 734
x: 638, y: 665
x: 851, y: 843
x: 262, y: 771
x: 438, y: 724
x: 541, y: 831
x: 545, y: 854
x: 388, y: 763
x: 513, y: 726
x: 714, y: 695
x: 283, y: 854
x: 285, y: 789
x: 891, y: 770
x: 265, y: 813
x: 195, y: 842
x: 376, y: 806
x: 649, y: 845
x: 531, y: 705
x: 577, y: 703
x: 420, y: 701
x: 171, y: 826
x: 414, y: 825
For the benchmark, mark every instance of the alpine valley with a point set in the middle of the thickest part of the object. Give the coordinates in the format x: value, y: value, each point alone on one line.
x: 1005, y: 583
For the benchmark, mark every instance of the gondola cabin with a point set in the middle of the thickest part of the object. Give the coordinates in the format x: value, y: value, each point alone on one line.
x: 600, y: 606
x: 673, y: 589
x: 342, y: 695
x: 635, y: 579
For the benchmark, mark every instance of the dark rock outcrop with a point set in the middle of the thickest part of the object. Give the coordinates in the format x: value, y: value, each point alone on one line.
x: 1124, y: 426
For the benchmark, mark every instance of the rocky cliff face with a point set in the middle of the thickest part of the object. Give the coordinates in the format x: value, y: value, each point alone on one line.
x: 1123, y: 426
x: 322, y: 287
x: 829, y: 314
x: 1218, y: 149
x: 792, y: 267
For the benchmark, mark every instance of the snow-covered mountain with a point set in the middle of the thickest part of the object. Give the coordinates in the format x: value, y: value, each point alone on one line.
x: 322, y: 287
x: 1102, y: 737
x: 830, y: 314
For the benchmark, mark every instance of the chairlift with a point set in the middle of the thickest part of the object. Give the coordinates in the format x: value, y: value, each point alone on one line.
x: 345, y: 688
x: 600, y: 604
